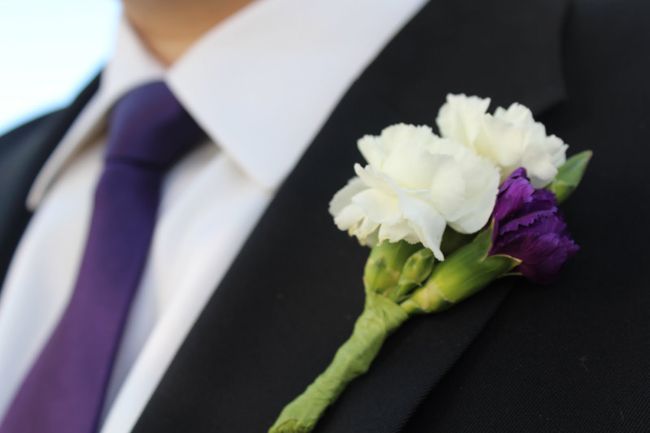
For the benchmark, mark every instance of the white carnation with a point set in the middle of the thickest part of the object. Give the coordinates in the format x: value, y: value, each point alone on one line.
x: 414, y: 185
x: 510, y: 137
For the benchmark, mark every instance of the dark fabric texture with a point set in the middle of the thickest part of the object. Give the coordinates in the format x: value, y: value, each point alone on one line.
x: 570, y: 357
x: 574, y: 356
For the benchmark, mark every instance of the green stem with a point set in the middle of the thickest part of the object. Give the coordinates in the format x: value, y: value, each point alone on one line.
x: 380, y: 317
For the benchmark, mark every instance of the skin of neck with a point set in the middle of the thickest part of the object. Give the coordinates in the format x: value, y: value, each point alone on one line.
x: 169, y: 27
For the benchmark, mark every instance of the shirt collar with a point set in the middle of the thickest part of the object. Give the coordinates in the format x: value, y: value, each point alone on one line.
x: 129, y: 66
x: 260, y: 84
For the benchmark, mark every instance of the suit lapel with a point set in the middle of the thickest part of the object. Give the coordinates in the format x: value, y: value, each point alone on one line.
x: 291, y: 297
x: 22, y: 154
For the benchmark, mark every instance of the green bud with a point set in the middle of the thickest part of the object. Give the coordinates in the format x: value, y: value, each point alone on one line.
x: 569, y: 175
x: 384, y: 265
x: 416, y: 270
x: 461, y: 275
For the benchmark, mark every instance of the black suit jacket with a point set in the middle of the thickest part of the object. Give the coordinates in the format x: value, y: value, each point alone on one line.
x: 572, y: 357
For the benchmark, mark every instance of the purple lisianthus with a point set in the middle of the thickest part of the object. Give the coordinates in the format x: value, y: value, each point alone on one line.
x: 528, y: 226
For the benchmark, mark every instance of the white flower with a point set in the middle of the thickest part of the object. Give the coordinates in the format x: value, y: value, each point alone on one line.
x: 415, y: 184
x: 510, y: 138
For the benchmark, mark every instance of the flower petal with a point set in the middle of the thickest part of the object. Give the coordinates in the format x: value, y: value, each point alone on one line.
x: 460, y: 118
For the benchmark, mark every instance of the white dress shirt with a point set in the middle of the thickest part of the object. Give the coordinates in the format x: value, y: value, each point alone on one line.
x: 260, y: 84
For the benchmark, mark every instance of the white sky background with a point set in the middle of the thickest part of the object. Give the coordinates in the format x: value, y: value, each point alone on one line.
x: 49, y: 49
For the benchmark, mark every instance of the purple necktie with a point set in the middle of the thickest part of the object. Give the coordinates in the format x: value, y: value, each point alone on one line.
x: 64, y: 390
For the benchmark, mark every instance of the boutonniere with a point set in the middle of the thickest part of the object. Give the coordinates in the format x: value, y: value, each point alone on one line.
x: 444, y: 216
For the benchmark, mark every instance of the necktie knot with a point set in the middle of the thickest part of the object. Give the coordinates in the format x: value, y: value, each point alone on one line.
x: 148, y: 126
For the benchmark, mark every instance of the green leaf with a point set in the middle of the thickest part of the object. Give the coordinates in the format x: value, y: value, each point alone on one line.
x: 569, y: 175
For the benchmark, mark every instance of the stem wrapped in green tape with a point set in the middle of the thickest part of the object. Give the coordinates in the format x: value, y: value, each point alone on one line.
x: 380, y: 317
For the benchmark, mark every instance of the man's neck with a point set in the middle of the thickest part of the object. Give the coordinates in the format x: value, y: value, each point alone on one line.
x: 170, y: 27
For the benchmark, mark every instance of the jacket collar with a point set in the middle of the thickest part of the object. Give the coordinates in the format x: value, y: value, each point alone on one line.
x: 291, y: 297
x: 22, y: 155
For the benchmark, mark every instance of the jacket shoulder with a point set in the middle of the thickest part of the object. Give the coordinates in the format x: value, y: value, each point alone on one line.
x: 12, y: 138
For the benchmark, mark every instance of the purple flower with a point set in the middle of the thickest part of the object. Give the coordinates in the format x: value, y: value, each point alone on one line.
x: 528, y: 226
